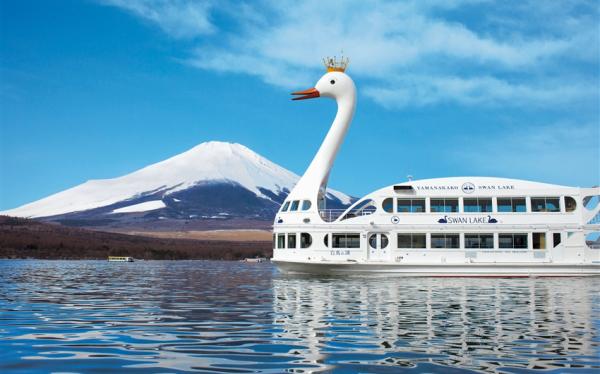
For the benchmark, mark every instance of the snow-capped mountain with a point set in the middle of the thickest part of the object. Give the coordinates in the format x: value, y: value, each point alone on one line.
x: 212, y: 180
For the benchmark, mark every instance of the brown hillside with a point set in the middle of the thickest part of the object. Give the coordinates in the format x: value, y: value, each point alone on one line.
x: 24, y: 238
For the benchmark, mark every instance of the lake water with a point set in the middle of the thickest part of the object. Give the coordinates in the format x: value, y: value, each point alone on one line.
x: 209, y: 316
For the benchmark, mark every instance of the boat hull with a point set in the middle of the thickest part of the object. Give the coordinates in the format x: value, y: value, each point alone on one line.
x: 442, y: 270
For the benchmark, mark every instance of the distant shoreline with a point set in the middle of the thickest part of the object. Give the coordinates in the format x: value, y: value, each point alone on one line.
x: 29, y: 239
x: 232, y: 235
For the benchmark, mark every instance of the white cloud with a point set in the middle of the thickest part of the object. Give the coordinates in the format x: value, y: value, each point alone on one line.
x: 178, y: 18
x: 419, y: 91
x: 407, y: 53
x: 563, y: 152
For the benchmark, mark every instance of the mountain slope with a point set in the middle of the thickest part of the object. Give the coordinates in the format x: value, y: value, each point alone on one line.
x: 214, y: 180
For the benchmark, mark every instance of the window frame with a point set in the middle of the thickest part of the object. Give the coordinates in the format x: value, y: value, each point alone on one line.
x: 512, y: 235
x: 555, y: 242
x: 446, y: 237
x: 567, y: 206
x: 295, y: 205
x: 355, y: 240
x: 291, y: 239
x: 411, y: 238
x: 281, y: 240
x: 384, y: 204
x: 542, y: 239
x: 545, y: 208
x: 513, y: 204
x: 302, y: 241
x: 478, y: 204
x: 444, y: 199
x: 412, y: 204
x: 480, y: 240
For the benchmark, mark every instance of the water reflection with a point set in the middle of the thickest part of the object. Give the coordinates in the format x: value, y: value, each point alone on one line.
x: 481, y: 324
x: 80, y: 316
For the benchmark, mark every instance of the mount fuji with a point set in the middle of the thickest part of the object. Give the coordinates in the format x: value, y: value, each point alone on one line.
x: 213, y: 185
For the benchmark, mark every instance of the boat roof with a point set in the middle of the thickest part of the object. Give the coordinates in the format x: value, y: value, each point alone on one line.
x: 475, y: 186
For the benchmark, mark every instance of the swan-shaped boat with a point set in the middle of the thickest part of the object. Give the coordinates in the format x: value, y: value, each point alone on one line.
x: 459, y: 226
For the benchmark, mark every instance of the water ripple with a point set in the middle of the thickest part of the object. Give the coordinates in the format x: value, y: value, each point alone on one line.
x: 82, y: 316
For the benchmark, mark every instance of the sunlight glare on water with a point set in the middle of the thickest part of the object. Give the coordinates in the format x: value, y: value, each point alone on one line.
x: 175, y: 316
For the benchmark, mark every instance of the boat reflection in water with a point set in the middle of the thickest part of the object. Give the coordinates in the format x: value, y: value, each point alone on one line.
x: 479, y: 324
x: 237, y: 317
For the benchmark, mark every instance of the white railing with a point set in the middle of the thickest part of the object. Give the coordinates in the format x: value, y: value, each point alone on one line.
x: 330, y: 215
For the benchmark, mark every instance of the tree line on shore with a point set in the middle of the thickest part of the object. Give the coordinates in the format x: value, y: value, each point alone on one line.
x: 25, y: 238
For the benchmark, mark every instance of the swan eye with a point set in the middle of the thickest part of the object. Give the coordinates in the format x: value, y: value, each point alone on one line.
x: 332, y: 81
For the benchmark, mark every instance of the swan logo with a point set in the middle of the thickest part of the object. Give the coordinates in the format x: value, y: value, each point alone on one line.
x: 468, y: 187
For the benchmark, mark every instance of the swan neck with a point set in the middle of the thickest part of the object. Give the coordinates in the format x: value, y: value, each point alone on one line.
x: 314, y: 181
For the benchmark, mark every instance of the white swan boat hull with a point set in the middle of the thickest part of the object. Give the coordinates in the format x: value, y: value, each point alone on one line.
x: 445, y: 270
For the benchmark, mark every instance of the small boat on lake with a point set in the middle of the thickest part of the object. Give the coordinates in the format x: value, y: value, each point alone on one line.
x: 120, y: 259
x: 458, y: 226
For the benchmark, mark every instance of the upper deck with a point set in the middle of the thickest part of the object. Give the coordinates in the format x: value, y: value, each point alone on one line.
x: 465, y: 201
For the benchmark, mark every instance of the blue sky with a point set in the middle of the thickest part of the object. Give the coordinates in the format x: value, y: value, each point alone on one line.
x: 97, y: 89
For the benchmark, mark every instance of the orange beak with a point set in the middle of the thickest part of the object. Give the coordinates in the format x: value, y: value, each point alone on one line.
x: 307, y: 94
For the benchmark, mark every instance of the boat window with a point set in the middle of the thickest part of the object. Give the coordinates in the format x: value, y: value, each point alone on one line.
x: 274, y: 241
x: 444, y: 205
x: 477, y: 205
x: 384, y: 241
x: 591, y: 202
x: 539, y: 240
x: 519, y: 205
x: 373, y: 241
x: 570, y: 204
x: 479, y: 241
x: 388, y: 205
x: 294, y: 206
x: 306, y: 205
x: 411, y: 240
x: 345, y: 240
x: 545, y: 204
x: 512, y: 204
x: 411, y: 206
x: 362, y: 208
x: 285, y: 206
x: 305, y: 240
x: 553, y: 204
x: 512, y: 240
x: 291, y: 240
x: 556, y: 238
x: 445, y: 241
x: 280, y: 241
x: 326, y: 240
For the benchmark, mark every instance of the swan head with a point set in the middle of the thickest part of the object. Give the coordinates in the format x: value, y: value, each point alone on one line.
x: 335, y: 85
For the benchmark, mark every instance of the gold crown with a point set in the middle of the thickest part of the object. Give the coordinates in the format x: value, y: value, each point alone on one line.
x: 332, y: 64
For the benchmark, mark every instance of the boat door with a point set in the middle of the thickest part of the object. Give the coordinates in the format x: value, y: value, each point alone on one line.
x: 378, y: 243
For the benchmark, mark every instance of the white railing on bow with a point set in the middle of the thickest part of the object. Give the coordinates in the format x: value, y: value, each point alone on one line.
x: 330, y: 215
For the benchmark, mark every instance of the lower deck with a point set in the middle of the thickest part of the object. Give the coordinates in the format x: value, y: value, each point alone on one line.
x: 401, y: 249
